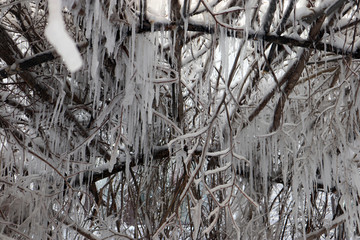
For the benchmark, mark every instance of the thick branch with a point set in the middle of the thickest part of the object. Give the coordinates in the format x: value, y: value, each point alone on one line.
x: 251, y: 35
x: 294, y: 73
x: 26, y: 63
x: 31, y: 61
x: 269, y: 16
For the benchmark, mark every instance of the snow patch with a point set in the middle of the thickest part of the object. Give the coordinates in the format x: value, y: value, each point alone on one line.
x: 56, y: 34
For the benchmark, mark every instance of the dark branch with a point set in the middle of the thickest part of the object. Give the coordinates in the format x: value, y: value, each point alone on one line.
x: 26, y: 63
x: 32, y: 61
x: 251, y: 35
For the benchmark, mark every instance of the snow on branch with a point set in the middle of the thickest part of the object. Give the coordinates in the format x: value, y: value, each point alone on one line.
x: 57, y: 35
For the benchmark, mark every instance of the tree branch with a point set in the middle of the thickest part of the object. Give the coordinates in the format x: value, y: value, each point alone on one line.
x: 241, y: 33
x: 32, y: 61
x: 316, y: 234
x: 293, y: 74
x: 26, y: 63
x: 69, y: 222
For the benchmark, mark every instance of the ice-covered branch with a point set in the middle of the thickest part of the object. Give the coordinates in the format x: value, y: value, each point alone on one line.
x: 316, y: 234
x: 70, y: 223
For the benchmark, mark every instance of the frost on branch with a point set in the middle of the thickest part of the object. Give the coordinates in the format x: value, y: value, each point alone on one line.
x: 189, y: 120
